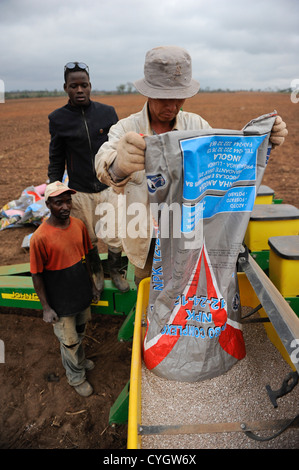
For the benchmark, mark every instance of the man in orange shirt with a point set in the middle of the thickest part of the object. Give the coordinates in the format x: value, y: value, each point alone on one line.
x: 63, y: 282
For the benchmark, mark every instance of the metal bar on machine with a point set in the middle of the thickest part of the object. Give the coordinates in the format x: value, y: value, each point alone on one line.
x: 210, y: 428
x: 282, y: 317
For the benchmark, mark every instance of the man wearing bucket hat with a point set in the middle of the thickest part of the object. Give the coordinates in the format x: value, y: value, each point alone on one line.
x: 167, y: 83
x: 63, y: 282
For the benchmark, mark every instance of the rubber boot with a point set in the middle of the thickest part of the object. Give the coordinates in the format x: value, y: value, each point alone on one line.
x: 114, y: 265
x: 96, y: 268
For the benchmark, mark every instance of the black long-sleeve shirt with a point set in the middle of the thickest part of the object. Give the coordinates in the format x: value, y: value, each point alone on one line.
x: 77, y: 133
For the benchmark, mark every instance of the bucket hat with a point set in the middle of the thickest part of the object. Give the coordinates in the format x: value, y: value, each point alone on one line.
x: 167, y: 74
x: 56, y: 188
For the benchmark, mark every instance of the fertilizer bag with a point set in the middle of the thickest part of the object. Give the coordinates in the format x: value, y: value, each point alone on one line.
x: 202, y: 186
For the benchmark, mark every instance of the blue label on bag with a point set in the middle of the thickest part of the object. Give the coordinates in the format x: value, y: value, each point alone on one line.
x: 237, y: 199
x: 217, y: 163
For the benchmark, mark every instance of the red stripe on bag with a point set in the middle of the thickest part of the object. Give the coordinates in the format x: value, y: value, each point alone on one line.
x: 156, y: 353
x: 231, y: 339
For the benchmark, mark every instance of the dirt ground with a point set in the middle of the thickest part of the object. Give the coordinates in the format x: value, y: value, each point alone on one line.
x: 37, y: 413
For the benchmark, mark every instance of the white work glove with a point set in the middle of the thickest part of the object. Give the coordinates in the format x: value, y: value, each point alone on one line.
x: 279, y: 132
x: 130, y: 155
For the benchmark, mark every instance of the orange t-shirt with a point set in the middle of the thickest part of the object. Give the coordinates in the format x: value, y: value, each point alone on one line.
x: 59, y: 254
x: 53, y: 248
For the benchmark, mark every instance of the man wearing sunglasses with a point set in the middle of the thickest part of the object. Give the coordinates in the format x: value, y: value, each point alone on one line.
x: 77, y: 131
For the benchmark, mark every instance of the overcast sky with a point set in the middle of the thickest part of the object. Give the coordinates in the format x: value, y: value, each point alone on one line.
x: 234, y: 44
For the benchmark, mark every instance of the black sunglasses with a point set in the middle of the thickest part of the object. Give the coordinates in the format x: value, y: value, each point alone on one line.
x: 74, y: 65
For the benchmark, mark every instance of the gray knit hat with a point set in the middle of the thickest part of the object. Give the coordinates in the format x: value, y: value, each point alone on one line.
x: 167, y: 74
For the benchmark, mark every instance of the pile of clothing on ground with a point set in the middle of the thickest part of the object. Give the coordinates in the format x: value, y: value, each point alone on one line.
x: 30, y: 208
